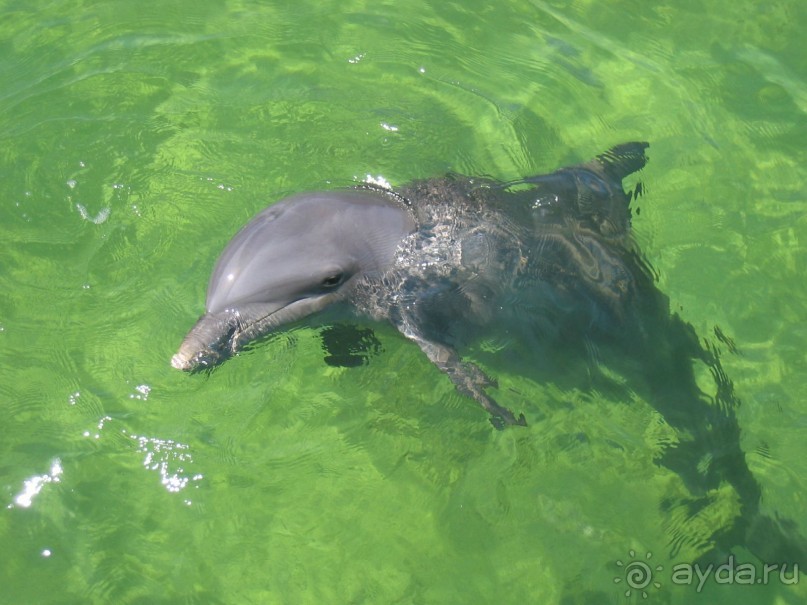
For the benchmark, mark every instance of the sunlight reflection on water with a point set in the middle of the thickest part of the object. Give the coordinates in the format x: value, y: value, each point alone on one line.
x: 161, y: 456
x: 33, y: 486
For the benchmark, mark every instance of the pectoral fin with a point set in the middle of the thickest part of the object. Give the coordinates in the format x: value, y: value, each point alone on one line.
x: 467, y: 377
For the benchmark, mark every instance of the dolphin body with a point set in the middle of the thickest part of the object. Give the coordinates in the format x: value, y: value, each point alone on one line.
x: 548, y: 260
x: 440, y: 259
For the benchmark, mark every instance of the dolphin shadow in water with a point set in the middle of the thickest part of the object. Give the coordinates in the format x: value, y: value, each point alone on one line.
x: 549, y: 259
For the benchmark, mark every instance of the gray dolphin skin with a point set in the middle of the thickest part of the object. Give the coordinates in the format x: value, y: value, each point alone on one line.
x: 439, y: 258
x: 294, y: 259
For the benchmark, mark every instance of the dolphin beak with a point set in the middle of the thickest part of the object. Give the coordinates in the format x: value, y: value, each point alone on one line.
x: 216, y: 336
x: 182, y: 361
x: 210, y: 340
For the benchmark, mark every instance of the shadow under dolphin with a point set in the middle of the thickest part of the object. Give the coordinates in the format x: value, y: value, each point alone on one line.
x: 549, y: 260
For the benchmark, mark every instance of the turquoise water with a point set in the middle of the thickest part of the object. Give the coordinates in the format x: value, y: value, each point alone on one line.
x: 135, y: 138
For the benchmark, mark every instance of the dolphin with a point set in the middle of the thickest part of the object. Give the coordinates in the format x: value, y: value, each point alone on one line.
x: 429, y: 258
x: 548, y: 260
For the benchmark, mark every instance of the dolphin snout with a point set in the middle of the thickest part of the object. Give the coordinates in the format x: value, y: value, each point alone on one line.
x: 193, y: 355
x: 181, y: 361
x: 208, y: 342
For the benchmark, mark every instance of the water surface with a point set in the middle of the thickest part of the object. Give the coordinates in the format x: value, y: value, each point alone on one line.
x: 135, y: 138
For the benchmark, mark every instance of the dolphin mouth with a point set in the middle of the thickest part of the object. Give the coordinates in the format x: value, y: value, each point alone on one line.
x: 208, y: 343
x: 218, y: 336
x: 197, y: 361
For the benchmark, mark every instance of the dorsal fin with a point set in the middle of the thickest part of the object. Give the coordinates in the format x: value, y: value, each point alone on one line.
x: 591, y: 193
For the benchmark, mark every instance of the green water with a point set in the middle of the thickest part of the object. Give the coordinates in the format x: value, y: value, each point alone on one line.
x: 136, y: 137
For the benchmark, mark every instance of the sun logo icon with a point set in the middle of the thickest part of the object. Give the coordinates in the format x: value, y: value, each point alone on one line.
x: 638, y: 574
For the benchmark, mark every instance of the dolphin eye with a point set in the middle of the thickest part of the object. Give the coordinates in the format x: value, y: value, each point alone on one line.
x: 333, y: 280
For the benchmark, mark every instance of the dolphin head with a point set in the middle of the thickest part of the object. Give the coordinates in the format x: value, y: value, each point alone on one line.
x: 295, y: 258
